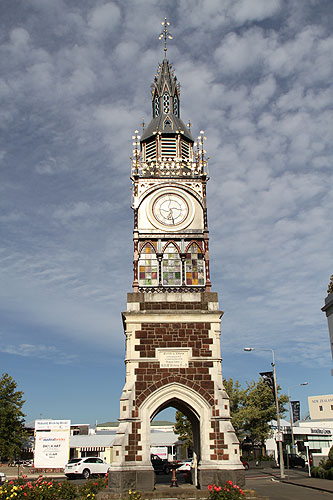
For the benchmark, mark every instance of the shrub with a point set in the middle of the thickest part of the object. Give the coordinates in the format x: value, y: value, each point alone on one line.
x: 329, y: 473
x: 41, y: 489
x: 134, y: 495
x: 314, y: 471
x: 267, y: 458
x: 89, y: 489
x: 228, y: 491
x: 321, y: 472
x: 67, y: 491
x: 330, y: 454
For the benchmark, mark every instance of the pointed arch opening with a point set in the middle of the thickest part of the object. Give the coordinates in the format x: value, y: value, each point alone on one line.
x: 190, y: 403
x: 148, y: 266
x: 171, y: 266
x: 195, y: 266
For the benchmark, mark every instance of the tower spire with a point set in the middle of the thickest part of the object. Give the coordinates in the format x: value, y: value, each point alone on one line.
x: 165, y: 34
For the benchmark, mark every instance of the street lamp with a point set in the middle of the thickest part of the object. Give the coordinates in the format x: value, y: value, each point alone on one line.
x: 281, y: 461
x: 291, y: 415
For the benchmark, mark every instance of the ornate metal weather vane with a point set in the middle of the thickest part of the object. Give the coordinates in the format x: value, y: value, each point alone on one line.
x: 165, y: 33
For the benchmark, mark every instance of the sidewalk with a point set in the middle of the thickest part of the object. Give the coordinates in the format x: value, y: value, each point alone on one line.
x: 304, y: 480
x: 311, y: 482
x: 12, y: 473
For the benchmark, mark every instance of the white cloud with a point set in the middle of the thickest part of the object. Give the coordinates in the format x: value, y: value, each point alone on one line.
x: 247, y: 10
x: 104, y: 18
x: 82, y: 209
x: 40, y: 351
x: 19, y: 37
x: 238, y: 53
x: 51, y: 166
x: 75, y: 83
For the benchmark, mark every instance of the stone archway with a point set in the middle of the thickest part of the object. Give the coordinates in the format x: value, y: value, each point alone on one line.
x: 184, y: 399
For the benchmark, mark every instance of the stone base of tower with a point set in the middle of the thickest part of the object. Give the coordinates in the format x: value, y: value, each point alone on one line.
x: 122, y: 481
x: 173, y: 360
x: 220, y: 476
x: 135, y: 479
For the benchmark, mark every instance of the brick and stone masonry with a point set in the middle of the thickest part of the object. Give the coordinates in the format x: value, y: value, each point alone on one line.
x: 172, y: 324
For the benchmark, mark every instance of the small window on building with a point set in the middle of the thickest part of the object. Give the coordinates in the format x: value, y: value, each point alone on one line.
x: 320, y: 408
x: 331, y: 407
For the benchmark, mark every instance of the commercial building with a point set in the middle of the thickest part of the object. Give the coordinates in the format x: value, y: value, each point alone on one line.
x: 321, y: 407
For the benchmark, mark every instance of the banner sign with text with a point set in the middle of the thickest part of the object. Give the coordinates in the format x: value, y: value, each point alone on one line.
x: 51, y: 443
x: 296, y: 408
x: 268, y: 378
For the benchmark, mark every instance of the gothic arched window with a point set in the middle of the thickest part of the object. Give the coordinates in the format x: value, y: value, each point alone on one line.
x: 156, y: 106
x: 195, y: 266
x: 171, y: 267
x: 166, y: 102
x: 148, y: 267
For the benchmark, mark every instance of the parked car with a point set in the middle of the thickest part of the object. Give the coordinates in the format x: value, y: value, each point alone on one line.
x: 185, y: 466
x: 2, y: 477
x: 294, y: 460
x: 159, y: 464
x: 86, y: 467
x: 23, y: 462
x: 28, y: 463
x: 245, y: 464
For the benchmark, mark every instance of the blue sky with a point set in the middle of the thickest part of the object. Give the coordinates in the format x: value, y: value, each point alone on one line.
x: 75, y: 84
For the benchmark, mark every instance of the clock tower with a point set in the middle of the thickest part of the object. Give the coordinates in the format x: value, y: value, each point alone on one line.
x: 172, y: 320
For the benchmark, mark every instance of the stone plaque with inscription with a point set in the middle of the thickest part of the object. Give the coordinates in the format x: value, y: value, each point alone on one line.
x: 173, y: 358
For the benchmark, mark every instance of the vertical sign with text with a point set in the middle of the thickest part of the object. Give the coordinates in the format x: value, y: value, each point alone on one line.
x: 51, y: 443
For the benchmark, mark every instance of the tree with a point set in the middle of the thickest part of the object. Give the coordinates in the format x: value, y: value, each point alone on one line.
x: 183, y: 429
x: 236, y: 399
x: 12, y: 430
x: 330, y: 286
x: 252, y: 409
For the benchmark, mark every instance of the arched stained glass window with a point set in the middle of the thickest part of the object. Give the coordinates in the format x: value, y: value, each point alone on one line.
x: 195, y: 266
x: 171, y: 267
x: 148, y: 267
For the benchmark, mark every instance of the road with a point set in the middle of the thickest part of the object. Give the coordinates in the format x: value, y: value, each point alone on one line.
x: 269, y: 486
x: 265, y: 482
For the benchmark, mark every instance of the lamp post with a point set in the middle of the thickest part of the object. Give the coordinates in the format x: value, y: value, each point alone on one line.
x: 281, y: 461
x: 291, y: 415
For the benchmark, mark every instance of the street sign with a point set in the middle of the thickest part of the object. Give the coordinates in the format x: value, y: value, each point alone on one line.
x: 279, y: 437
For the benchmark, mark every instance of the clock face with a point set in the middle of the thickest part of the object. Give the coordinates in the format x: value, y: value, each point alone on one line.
x: 170, y: 209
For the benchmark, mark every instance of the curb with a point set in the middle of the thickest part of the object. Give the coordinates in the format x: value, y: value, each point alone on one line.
x: 312, y: 487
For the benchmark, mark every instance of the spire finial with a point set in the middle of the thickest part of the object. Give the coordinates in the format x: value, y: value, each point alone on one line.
x: 165, y: 33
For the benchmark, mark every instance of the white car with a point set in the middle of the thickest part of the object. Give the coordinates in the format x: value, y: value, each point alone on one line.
x: 185, y: 467
x: 86, y: 467
x: 2, y: 477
